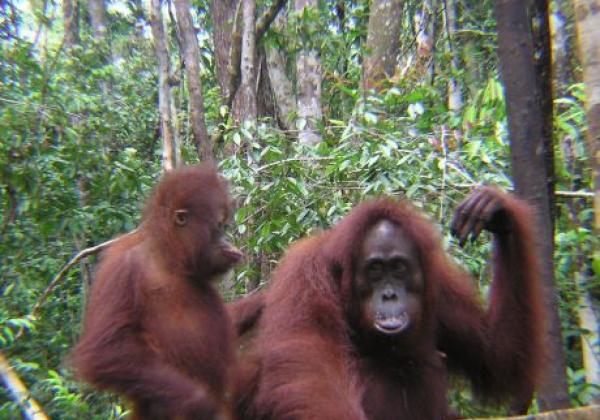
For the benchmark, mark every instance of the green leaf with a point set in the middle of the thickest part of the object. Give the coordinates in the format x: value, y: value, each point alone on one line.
x: 596, y: 265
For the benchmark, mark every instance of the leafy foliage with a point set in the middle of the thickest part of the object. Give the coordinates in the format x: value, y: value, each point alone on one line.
x: 80, y: 151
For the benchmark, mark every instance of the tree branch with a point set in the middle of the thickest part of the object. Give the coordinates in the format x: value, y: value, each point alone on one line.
x: 74, y: 261
x: 19, y: 392
x: 235, y: 57
x: 264, y: 22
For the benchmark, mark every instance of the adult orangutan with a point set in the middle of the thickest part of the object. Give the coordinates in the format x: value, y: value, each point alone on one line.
x: 156, y: 330
x: 363, y: 321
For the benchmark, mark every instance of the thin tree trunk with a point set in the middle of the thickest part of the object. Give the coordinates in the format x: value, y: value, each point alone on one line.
x: 282, y: 88
x: 138, y: 14
x: 424, y: 28
x: 542, y: 53
x: 587, y: 16
x: 268, y: 17
x: 245, y: 107
x: 164, y: 88
x: 227, y: 38
x: 383, y: 42
x: 177, y: 79
x: 309, y: 78
x: 71, y: 38
x: 223, y: 15
x: 455, y: 101
x: 71, y: 22
x: 561, y: 66
x: 97, y: 9
x: 528, y: 122
x: 587, y: 313
x: 587, y: 13
x: 191, y: 58
x: 588, y: 321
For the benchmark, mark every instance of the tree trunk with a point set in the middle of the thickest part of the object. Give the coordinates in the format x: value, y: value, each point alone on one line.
x: 587, y: 16
x: 137, y: 9
x: 191, y: 58
x: 245, y: 107
x: 455, y: 101
x: 97, y: 9
x: 282, y: 88
x: 71, y: 22
x: 543, y: 71
x: 561, y: 65
x: 528, y: 119
x: 383, y: 42
x: 425, y: 29
x: 71, y: 38
x: 164, y: 89
x: 309, y: 77
x: 223, y: 14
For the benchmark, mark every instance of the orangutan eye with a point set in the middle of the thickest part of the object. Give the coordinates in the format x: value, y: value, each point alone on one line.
x: 180, y: 217
x: 375, y: 270
x: 400, y: 267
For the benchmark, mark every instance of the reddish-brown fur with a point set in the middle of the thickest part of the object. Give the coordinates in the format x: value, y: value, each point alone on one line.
x: 156, y: 331
x: 246, y: 312
x: 308, y: 362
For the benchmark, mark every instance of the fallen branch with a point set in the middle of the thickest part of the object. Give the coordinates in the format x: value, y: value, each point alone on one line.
x: 20, y: 394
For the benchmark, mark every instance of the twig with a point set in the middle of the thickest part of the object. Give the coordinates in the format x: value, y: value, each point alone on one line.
x: 574, y: 194
x: 566, y: 194
x: 20, y: 394
x: 61, y: 274
x: 300, y: 159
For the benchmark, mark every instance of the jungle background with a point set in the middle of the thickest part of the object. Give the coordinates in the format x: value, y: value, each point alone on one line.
x: 308, y: 106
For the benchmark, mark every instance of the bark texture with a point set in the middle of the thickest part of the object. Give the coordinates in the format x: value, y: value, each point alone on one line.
x: 223, y: 14
x: 587, y: 16
x: 282, y: 88
x: 191, y: 59
x: 531, y: 173
x: 70, y: 10
x: 227, y: 38
x: 309, y: 78
x: 97, y: 9
x: 455, y: 101
x: 383, y: 42
x: 266, y: 19
x: 561, y: 47
x: 164, y: 90
x: 245, y: 108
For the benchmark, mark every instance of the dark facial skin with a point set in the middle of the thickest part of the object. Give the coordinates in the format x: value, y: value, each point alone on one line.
x: 223, y: 254
x: 389, y: 281
x: 218, y: 255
